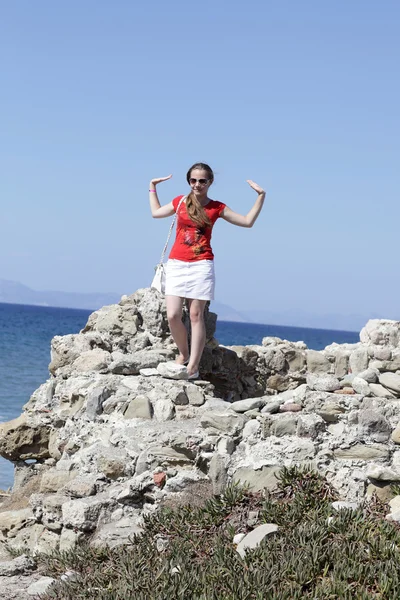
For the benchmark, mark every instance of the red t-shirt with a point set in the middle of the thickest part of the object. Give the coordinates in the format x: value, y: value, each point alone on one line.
x: 193, y: 242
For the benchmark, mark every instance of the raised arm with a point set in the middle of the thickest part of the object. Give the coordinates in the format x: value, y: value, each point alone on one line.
x: 158, y: 211
x: 249, y: 219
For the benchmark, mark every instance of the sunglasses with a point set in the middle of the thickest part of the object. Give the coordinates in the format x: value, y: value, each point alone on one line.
x: 192, y: 181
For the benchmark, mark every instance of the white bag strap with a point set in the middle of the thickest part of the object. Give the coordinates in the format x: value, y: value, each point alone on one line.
x: 170, y: 230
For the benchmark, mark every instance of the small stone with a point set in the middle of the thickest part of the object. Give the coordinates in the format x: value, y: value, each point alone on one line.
x: 373, y: 423
x: 317, y: 362
x: 226, y: 445
x: 358, y: 360
x: 255, y: 537
x: 258, y: 480
x: 195, y: 395
x: 290, y: 407
x: 242, y: 406
x: 40, y: 587
x: 172, y: 370
x: 160, y: 479
x: 139, y: 408
x: 330, y: 412
x: 323, y: 383
x: 164, y: 410
x: 179, y: 397
x: 382, y: 353
x: 285, y: 425
x: 251, y: 428
x: 379, y: 391
x: 361, y: 386
x: 381, y: 490
x: 340, y: 505
x: 345, y: 391
x: 336, y: 429
x: 347, y: 380
x: 69, y: 539
x: 70, y: 576
x: 271, y: 408
x: 391, y: 381
x: 369, y: 375
x: 381, y: 473
x: 252, y: 518
x: 20, y: 565
x: 362, y: 452
x: 394, y: 503
x: 150, y: 372
x: 228, y: 422
x: 218, y: 473
x: 394, y: 516
x: 112, y: 468
x: 162, y: 544
x: 278, y: 382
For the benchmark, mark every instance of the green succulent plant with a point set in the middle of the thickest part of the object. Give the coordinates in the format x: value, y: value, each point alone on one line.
x: 353, y: 555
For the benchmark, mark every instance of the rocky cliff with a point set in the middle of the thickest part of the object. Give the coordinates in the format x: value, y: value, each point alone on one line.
x: 114, y: 431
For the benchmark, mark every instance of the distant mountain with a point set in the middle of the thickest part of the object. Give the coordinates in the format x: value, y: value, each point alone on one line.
x: 14, y: 292
x: 299, y: 318
x: 227, y: 313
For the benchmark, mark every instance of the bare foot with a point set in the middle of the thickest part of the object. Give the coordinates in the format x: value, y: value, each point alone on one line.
x: 181, y: 360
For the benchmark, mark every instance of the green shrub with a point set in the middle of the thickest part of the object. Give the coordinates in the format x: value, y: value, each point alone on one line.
x: 354, y: 555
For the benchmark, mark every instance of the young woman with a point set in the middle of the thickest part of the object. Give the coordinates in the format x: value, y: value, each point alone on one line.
x: 190, y: 268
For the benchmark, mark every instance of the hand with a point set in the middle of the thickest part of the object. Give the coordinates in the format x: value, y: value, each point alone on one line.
x: 159, y: 180
x: 255, y: 187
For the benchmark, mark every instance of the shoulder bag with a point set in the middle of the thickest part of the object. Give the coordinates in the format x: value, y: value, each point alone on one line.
x: 158, y: 282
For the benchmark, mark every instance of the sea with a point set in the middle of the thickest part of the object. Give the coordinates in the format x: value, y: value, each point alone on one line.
x: 26, y: 333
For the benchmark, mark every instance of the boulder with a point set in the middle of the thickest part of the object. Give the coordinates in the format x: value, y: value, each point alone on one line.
x: 24, y: 439
x: 381, y: 332
x: 172, y: 370
x: 323, y: 383
x: 358, y: 361
x: 139, y: 408
x: 257, y: 480
x: 317, y: 362
x: 227, y: 422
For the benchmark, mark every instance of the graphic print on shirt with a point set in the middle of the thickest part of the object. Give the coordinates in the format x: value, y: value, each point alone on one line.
x: 196, y: 239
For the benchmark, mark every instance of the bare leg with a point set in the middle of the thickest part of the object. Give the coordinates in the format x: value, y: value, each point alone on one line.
x: 198, y: 334
x: 178, y: 330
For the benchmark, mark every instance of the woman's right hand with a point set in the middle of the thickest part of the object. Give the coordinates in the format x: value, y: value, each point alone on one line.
x: 159, y: 180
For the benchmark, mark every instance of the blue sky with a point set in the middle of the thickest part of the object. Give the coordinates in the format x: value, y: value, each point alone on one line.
x: 302, y: 97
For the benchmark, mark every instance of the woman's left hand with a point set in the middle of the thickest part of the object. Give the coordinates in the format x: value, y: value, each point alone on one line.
x: 255, y: 187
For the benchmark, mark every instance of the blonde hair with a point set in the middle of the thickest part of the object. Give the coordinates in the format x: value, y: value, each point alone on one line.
x: 193, y: 207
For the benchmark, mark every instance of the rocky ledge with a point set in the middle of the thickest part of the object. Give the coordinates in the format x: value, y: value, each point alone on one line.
x: 115, y: 432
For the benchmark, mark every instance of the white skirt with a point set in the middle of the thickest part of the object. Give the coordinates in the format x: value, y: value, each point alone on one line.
x: 194, y: 280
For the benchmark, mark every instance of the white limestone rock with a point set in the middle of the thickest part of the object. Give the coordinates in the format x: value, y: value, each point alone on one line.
x: 358, y: 361
x: 41, y: 586
x: 390, y: 381
x: 323, y: 383
x: 255, y: 537
x: 361, y: 386
x: 228, y: 422
x: 242, y: 406
x: 379, y: 391
x: 317, y: 362
x: 381, y: 332
x: 369, y: 375
x: 171, y: 370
